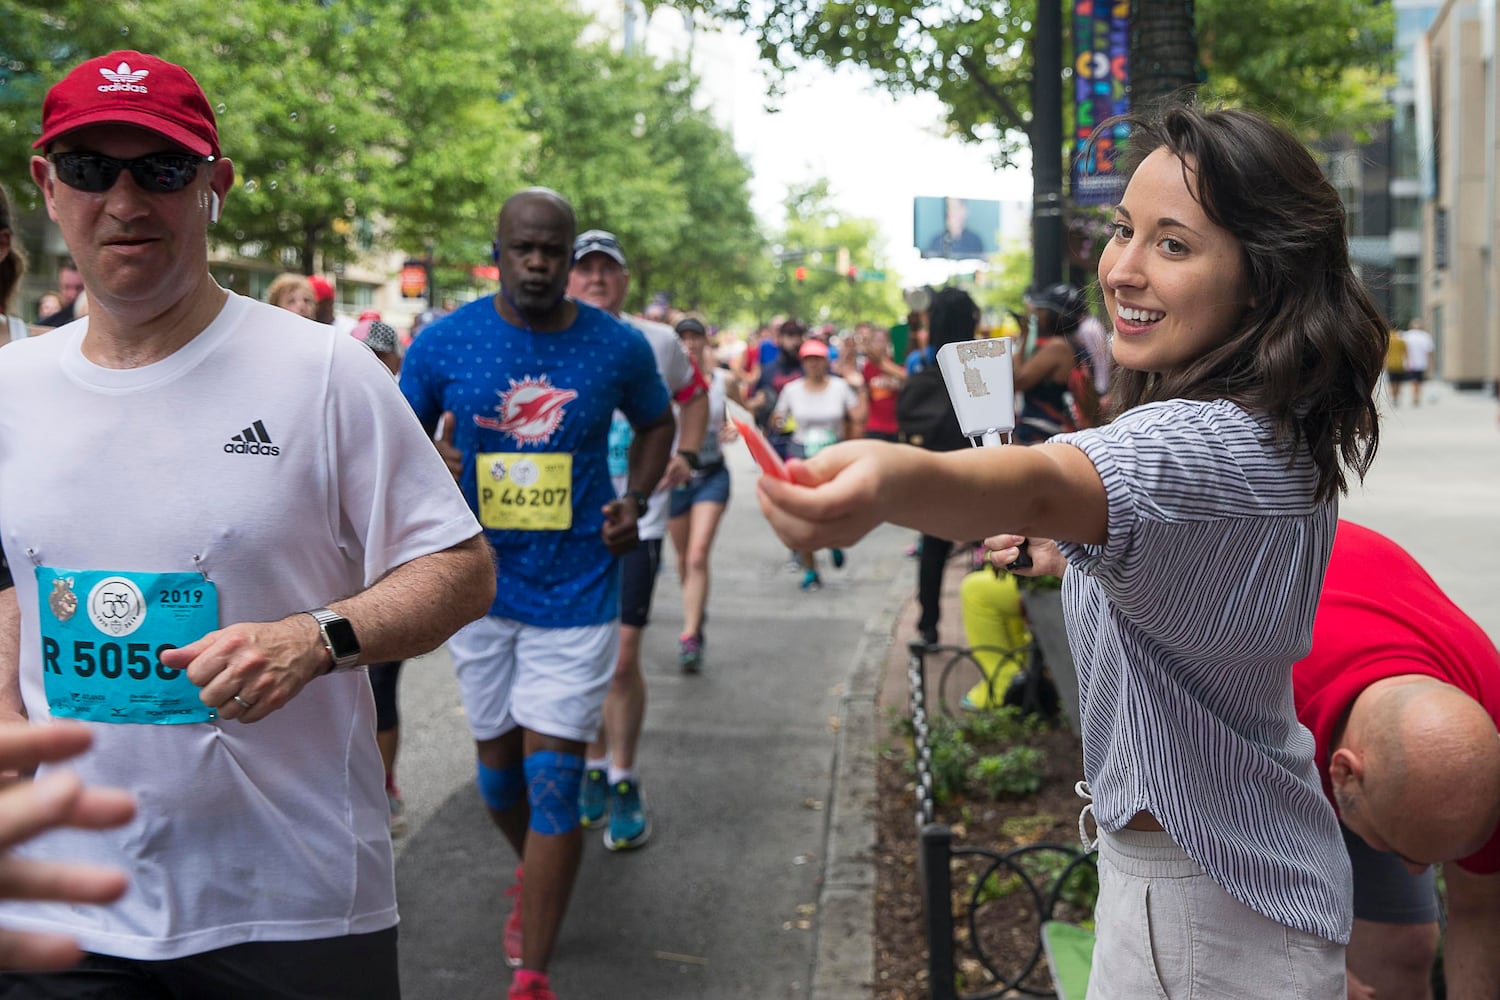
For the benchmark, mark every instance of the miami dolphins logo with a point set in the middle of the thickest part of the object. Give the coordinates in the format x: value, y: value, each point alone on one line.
x: 530, y: 410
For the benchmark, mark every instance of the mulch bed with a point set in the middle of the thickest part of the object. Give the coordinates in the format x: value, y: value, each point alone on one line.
x: 1008, y: 924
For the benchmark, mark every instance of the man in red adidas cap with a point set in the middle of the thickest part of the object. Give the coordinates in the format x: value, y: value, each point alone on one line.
x: 212, y: 559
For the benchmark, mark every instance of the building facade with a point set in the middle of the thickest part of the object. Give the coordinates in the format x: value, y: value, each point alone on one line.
x: 1457, y: 135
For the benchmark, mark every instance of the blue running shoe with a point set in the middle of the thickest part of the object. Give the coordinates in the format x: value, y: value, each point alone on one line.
x: 811, y: 580
x: 628, y: 826
x: 690, y: 653
x: 592, y: 797
x: 838, y: 558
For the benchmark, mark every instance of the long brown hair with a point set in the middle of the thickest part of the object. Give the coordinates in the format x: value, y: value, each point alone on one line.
x: 1311, y: 346
x: 13, y: 267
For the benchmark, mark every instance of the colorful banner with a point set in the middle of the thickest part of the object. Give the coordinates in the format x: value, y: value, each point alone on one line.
x: 1101, y: 75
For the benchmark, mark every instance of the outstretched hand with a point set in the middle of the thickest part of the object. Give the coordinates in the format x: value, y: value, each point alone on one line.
x: 28, y: 808
x: 834, y: 498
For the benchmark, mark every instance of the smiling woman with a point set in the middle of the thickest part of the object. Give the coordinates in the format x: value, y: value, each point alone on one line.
x: 1192, y: 533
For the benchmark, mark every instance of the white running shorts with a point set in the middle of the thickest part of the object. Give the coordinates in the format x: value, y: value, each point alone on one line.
x: 548, y: 680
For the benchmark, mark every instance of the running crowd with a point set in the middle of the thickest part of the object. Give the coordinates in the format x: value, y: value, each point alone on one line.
x: 304, y: 509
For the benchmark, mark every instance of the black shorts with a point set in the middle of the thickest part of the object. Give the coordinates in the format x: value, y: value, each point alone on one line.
x: 638, y: 569
x: 356, y: 967
x: 1384, y: 891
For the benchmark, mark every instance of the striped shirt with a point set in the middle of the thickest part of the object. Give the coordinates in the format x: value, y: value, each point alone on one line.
x: 1185, y: 625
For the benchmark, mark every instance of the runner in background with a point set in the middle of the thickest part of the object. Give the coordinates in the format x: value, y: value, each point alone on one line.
x: 610, y: 783
x: 882, y: 378
x: 698, y: 504
x: 819, y: 410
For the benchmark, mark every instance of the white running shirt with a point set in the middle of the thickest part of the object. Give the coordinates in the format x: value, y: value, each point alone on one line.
x: 267, y: 832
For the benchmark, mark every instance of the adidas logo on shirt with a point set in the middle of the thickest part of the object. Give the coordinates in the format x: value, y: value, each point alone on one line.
x: 253, y: 440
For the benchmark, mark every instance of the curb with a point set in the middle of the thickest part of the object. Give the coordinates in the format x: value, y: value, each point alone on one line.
x: 844, y: 952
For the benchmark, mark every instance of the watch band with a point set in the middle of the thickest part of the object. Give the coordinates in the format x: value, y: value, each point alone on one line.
x: 691, y: 458
x: 642, y: 502
x: 338, y: 638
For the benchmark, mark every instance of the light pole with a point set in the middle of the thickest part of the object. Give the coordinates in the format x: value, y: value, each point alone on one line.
x: 1046, y: 146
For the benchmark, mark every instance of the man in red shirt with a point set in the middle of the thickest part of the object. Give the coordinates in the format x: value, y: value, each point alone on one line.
x: 1402, y: 692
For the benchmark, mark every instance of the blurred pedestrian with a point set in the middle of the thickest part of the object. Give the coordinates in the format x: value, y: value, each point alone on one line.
x: 816, y: 411
x: 1417, y: 358
x: 611, y: 782
x: 69, y: 286
x: 12, y: 270
x: 292, y: 292
x: 698, y: 504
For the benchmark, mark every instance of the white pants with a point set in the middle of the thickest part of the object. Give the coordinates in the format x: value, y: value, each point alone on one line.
x: 1166, y: 930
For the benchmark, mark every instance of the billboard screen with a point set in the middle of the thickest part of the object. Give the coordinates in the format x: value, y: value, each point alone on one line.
x: 955, y: 228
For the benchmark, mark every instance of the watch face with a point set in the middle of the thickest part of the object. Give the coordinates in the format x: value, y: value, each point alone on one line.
x: 341, y: 635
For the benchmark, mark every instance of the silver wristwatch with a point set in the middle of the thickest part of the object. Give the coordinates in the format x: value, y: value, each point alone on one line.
x: 338, y: 638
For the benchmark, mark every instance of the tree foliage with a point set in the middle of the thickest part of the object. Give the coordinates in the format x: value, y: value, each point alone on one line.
x: 811, y: 238
x: 359, y: 125
x: 1321, y: 64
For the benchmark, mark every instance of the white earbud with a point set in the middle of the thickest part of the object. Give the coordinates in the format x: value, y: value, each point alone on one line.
x: 213, y: 206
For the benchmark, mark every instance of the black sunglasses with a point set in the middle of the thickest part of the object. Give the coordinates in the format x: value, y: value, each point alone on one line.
x: 155, y: 172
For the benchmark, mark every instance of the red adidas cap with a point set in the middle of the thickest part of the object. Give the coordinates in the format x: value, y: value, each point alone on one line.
x: 132, y: 88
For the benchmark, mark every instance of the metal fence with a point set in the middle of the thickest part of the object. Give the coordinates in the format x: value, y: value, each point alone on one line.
x: 1041, y: 882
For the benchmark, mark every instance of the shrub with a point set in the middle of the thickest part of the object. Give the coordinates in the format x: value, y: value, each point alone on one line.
x: 1013, y: 773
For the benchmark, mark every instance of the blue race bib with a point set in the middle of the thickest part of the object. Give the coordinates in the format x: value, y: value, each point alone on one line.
x: 103, y: 634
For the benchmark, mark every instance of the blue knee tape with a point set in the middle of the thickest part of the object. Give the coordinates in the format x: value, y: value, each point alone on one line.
x: 501, y: 789
x: 552, y: 782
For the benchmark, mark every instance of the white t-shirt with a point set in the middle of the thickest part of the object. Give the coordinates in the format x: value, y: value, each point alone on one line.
x: 18, y: 330
x: 819, y: 416
x: 677, y: 371
x: 1419, y: 349
x: 271, y: 831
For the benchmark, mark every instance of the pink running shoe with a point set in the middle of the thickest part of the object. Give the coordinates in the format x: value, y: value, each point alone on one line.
x: 512, y: 936
x: 532, y: 991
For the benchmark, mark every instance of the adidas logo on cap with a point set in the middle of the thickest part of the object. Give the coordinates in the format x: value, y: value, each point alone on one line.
x: 253, y: 440
x: 122, y: 77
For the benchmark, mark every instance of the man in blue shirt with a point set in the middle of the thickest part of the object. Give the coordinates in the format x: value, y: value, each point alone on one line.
x: 519, y: 390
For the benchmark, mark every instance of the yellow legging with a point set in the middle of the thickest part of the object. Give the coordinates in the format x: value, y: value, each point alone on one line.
x: 992, y: 617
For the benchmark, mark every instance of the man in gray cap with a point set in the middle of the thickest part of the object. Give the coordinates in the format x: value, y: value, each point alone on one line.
x: 611, y: 791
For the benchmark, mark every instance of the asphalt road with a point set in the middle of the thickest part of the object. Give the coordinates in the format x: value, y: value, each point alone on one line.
x: 736, y: 764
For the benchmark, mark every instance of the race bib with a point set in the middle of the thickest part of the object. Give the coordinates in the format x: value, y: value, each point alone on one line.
x: 103, y: 634
x: 817, y: 439
x: 525, y: 491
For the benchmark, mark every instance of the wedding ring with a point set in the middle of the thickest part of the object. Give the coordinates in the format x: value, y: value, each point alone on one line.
x: 241, y: 702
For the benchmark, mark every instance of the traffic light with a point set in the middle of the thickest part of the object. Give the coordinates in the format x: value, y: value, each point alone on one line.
x: 801, y: 274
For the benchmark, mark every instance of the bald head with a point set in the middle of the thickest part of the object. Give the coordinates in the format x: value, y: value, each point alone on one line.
x: 534, y: 252
x: 525, y: 202
x: 1427, y: 781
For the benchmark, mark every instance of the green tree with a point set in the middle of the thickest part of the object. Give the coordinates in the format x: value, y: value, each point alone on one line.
x: 811, y: 239
x: 619, y: 136
x: 974, y: 56
x: 360, y: 125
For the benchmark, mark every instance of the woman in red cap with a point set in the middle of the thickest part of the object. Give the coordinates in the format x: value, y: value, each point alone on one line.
x: 817, y: 411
